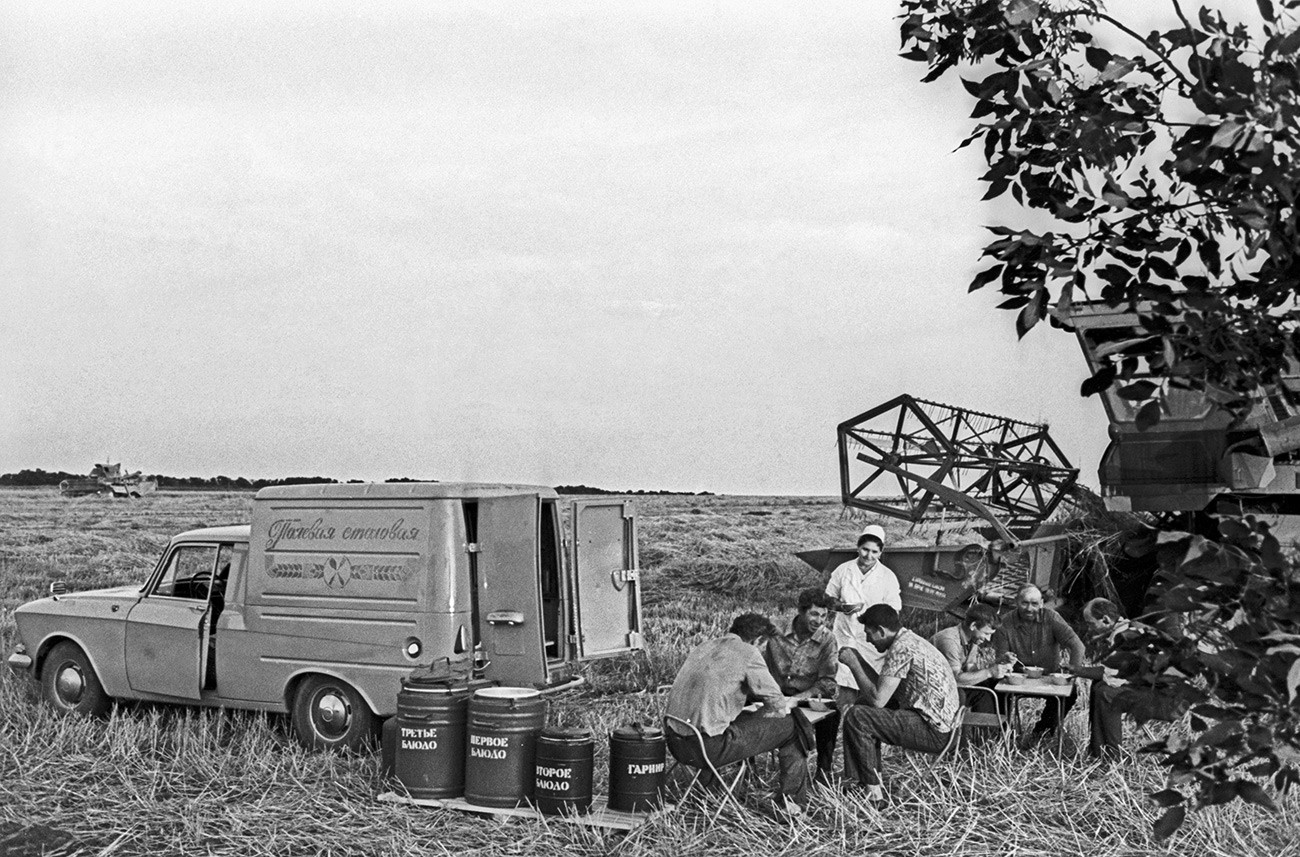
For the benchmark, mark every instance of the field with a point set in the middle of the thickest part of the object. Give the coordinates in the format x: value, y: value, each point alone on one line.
x: 158, y: 780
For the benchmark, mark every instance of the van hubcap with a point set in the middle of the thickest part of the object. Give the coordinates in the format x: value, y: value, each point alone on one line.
x: 332, y: 715
x: 70, y: 683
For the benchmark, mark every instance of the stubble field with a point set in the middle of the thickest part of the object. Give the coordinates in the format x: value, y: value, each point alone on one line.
x: 158, y: 779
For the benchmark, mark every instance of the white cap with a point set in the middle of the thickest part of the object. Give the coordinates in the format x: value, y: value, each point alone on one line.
x: 876, y: 531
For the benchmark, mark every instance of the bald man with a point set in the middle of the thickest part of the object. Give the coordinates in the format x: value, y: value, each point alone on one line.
x: 1038, y: 637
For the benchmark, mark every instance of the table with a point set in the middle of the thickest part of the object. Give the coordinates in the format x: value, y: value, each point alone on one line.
x: 1043, y: 689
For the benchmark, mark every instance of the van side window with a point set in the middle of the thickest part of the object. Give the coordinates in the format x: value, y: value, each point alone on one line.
x: 188, y: 573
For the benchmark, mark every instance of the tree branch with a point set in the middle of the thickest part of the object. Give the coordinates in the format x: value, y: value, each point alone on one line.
x: 1164, y: 57
x: 1186, y: 23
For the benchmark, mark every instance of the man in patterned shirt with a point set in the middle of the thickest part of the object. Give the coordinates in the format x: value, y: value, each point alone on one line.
x: 927, y: 701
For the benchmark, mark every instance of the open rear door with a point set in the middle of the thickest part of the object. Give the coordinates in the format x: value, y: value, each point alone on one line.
x: 606, y: 578
x: 509, y: 596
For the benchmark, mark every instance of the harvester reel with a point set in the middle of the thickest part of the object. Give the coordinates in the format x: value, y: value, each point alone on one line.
x: 917, y: 460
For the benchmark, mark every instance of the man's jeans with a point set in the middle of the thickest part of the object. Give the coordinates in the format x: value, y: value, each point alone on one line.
x: 866, y: 726
x: 749, y: 735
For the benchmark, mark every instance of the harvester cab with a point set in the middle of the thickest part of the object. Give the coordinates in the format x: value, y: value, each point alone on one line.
x: 1196, y: 458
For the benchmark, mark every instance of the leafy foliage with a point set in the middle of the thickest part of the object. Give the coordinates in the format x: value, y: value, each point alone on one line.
x: 1166, y: 164
x: 1158, y: 172
x: 1228, y: 650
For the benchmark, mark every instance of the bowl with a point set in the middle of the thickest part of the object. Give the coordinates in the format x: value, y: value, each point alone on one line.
x: 1033, y: 672
x: 1014, y: 678
x: 1060, y: 678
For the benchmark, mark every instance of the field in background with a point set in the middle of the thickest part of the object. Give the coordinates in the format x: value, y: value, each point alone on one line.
x: 163, y: 779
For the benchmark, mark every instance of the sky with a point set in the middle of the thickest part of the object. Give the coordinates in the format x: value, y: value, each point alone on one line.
x: 656, y: 245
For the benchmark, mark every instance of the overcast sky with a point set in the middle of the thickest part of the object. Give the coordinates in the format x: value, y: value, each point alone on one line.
x: 627, y: 244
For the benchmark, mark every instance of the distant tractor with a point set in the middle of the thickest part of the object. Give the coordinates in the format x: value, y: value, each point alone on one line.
x: 108, y: 479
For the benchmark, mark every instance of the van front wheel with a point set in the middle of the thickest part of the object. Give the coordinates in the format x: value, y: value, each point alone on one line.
x: 328, y: 714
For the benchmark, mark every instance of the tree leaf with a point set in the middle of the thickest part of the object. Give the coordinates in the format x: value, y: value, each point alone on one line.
x: 1226, y: 134
x: 1290, y: 44
x: 983, y: 278
x: 1021, y: 12
x: 1148, y: 415
x: 1252, y: 793
x: 1293, y: 681
x: 1266, y: 10
x: 1169, y: 822
x: 1098, y: 58
x: 1168, y: 797
x: 1033, y: 312
x: 1137, y: 391
x: 1098, y: 383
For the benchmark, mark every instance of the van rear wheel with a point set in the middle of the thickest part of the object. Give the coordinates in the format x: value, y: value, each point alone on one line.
x: 69, y: 683
x: 328, y: 714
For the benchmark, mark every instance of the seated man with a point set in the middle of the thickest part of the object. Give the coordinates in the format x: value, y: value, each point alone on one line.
x: 804, y: 663
x: 1036, y: 635
x: 927, y: 695
x: 1110, y: 697
x: 717, y: 680
x: 970, y: 655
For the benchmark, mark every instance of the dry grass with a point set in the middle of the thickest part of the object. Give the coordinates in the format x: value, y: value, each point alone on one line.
x: 157, y: 779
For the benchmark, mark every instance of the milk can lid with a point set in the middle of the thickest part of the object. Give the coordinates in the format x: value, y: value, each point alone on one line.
x: 508, y: 692
x: 638, y: 732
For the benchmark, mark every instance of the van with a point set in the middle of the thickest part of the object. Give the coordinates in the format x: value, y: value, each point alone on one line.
x: 334, y: 593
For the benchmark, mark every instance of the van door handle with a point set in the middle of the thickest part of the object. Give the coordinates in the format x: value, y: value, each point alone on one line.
x: 505, y: 617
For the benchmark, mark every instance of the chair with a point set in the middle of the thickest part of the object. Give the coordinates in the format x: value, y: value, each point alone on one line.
x: 965, y: 717
x: 728, y: 788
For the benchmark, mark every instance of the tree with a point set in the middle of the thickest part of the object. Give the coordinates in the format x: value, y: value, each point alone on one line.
x: 1166, y: 164
x: 1232, y: 660
x: 1158, y: 171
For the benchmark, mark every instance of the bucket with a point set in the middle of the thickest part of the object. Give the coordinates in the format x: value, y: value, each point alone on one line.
x: 636, y: 768
x: 504, y: 723
x: 429, y: 744
x: 565, y: 764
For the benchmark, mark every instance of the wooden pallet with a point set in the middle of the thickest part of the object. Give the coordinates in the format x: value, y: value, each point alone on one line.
x: 600, y: 816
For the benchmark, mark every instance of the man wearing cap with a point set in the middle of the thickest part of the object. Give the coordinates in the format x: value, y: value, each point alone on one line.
x: 717, y: 681
x: 857, y: 585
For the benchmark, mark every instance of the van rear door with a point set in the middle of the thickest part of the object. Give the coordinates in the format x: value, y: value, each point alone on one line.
x: 606, y: 578
x: 509, y: 589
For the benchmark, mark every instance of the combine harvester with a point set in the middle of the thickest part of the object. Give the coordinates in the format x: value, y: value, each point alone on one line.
x: 963, y: 472
x: 108, y: 479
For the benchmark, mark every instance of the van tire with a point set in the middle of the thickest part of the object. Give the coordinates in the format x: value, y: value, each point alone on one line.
x: 328, y: 714
x: 69, y: 683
